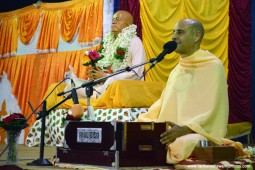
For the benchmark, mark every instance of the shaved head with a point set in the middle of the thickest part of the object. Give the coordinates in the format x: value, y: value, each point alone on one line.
x: 188, y: 34
x: 127, y: 17
x: 195, y: 26
x: 121, y: 19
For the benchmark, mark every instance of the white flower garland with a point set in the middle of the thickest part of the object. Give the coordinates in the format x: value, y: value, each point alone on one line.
x: 110, y: 45
x: 250, y: 150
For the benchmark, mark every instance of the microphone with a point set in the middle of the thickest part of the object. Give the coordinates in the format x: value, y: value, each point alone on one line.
x: 61, y: 93
x: 168, y: 48
x: 77, y: 110
x: 74, y: 93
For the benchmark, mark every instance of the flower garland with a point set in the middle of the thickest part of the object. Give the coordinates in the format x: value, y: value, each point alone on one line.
x: 115, y: 52
x: 250, y: 150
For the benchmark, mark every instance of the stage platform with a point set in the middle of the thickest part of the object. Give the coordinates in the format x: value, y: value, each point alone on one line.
x: 28, y: 154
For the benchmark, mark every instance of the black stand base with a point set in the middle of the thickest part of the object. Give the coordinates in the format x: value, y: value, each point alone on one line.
x: 10, y: 167
x: 40, y: 162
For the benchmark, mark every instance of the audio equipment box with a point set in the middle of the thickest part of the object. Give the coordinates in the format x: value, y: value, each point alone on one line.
x: 115, y: 144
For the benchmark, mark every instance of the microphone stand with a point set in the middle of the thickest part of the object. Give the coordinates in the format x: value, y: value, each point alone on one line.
x: 89, y: 91
x: 90, y: 84
x: 90, y: 110
x: 42, y: 115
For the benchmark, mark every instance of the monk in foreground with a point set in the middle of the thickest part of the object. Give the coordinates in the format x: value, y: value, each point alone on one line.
x: 194, y: 102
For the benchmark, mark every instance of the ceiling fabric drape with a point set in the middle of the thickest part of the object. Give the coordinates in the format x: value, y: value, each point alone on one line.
x: 69, y: 22
x: 82, y: 18
x: 9, y: 37
x: 49, y: 33
x: 27, y: 25
x: 42, y: 28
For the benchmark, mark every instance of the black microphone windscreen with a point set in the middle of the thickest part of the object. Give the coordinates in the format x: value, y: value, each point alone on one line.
x: 61, y: 93
x: 170, y: 46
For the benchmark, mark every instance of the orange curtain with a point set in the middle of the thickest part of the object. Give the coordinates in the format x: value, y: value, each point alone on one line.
x: 8, y: 36
x: 31, y: 74
x: 49, y: 34
x: 91, y: 23
x: 56, y: 19
x: 27, y: 25
x: 21, y: 23
x: 69, y: 22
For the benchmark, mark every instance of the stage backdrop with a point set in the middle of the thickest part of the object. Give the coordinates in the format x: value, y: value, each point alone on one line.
x: 38, y: 43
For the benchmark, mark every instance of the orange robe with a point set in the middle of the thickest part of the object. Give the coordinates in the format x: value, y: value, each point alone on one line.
x: 195, y: 96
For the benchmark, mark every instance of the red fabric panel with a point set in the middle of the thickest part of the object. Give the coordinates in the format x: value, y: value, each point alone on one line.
x: 240, y: 77
x: 133, y: 6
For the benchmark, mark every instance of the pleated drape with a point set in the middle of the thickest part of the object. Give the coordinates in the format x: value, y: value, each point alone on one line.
x: 69, y: 22
x: 68, y: 19
x: 9, y: 37
x: 31, y: 74
x: 240, y: 67
x: 27, y: 25
x: 49, y: 33
x: 158, y: 20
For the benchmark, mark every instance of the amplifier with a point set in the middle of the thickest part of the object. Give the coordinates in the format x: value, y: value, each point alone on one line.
x: 116, y: 144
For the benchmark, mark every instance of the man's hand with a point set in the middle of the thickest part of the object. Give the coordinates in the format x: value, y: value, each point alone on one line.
x: 176, y: 131
x: 95, y: 74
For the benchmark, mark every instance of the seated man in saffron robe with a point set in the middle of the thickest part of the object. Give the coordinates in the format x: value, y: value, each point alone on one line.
x: 195, y: 99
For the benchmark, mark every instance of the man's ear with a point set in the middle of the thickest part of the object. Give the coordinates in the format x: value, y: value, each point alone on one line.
x: 197, y: 36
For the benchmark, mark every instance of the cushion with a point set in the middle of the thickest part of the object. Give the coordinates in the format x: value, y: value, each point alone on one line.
x: 131, y: 94
x: 120, y: 94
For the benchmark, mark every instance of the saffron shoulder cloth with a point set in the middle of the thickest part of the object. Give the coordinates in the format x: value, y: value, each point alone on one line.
x: 195, y: 96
